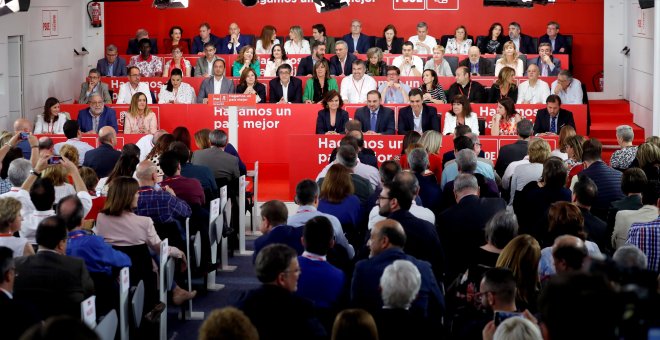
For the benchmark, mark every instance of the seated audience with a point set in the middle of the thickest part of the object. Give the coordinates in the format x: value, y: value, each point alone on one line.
x: 24, y: 125
x: 205, y: 36
x: 506, y: 119
x: 557, y: 41
x: 533, y: 90
x: 438, y: 63
x: 623, y: 158
x: 93, y: 84
x: 112, y: 65
x: 504, y: 87
x: 10, y: 224
x: 642, y: 235
x: 648, y: 159
x: 297, y: 44
x: 584, y: 195
x: 361, y: 84
x: 57, y: 174
x: 633, y: 184
x: 73, y: 134
x: 96, y: 116
x: 459, y: 43
x: 285, y: 89
x: 332, y: 119
x: 466, y: 163
x: 567, y: 88
x: 548, y: 65
x: 475, y: 92
x: 460, y: 114
x: 134, y: 44
x: 409, y: 64
x: 493, y: 43
x: 432, y: 92
x: 247, y: 59
x: 52, y: 120
x: 227, y: 323
x: 393, y: 91
x: 277, y: 58
x: 417, y: 116
x: 523, y: 42
x: 356, y: 41
x: 306, y: 64
x: 175, y: 91
x: 630, y: 257
x: 216, y: 84
x: 267, y: 40
x: 218, y: 155
x: 204, y: 64
x: 341, y: 64
x: 510, y: 58
x: 375, y: 118
x: 175, y: 34
x: 201, y: 173
x: 429, y: 189
x: 476, y: 65
x: 354, y: 324
x: 564, y: 134
x: 187, y: 189
x: 15, y: 318
x: 521, y: 256
x: 125, y: 166
x: 274, y: 228
x: 626, y: 218
x: 574, y: 156
x: 376, y: 66
x: 148, y: 64
x: 248, y: 84
x: 233, y: 41
x: 517, y: 151
x: 432, y: 142
x: 389, y: 43
x: 608, y: 180
x: 422, y: 42
x: 90, y: 179
x: 139, y: 118
x: 178, y: 62
x: 19, y: 170
x: 320, y: 84
x: 131, y: 87
x: 550, y: 120
x: 499, y: 231
x: 319, y: 34
x: 469, y: 141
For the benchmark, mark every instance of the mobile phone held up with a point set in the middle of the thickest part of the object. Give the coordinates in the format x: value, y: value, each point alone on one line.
x: 500, y: 316
x: 25, y: 135
x: 55, y: 160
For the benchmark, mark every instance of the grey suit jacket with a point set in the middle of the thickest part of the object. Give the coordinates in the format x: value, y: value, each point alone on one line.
x: 202, y: 67
x: 102, y: 89
x: 207, y: 88
x: 222, y: 164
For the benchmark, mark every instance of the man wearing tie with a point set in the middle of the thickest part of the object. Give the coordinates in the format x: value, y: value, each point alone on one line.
x: 548, y: 65
x: 375, y: 119
x: 550, y: 120
x: 477, y: 65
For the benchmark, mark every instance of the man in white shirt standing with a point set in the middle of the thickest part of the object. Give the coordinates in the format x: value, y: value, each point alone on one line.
x: 423, y: 43
x: 567, y: 88
x: 409, y: 64
x: 72, y: 133
x: 127, y: 90
x: 534, y: 90
x: 355, y: 87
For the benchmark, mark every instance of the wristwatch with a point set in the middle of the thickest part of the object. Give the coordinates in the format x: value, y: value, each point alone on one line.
x: 32, y: 172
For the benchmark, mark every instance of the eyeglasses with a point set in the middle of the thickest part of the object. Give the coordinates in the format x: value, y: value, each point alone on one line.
x: 295, y: 271
x: 380, y: 198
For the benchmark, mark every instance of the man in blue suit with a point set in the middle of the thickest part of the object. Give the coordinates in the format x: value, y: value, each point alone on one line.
x: 426, y: 116
x: 386, y: 246
x: 104, y: 157
x: 274, y: 229
x: 112, y: 65
x: 375, y: 119
x: 96, y: 116
x: 204, y: 37
x: 550, y: 120
x: 356, y: 41
x: 558, y: 42
x: 234, y: 41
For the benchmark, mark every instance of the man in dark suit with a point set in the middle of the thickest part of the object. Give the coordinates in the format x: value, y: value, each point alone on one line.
x: 274, y: 229
x: 50, y: 280
x: 584, y: 196
x: 386, y: 244
x: 356, y: 41
x: 633, y: 183
x: 284, y: 79
x: 548, y: 65
x: 429, y: 189
x: 97, y: 115
x: 103, y: 158
x: 275, y: 311
x: 223, y: 165
x: 112, y: 65
x: 558, y: 42
x: 550, y: 120
x: 234, y: 41
x: 464, y: 85
x: 477, y: 65
x: 375, y: 119
x: 15, y: 318
x: 523, y: 42
x: 204, y: 37
x: 607, y: 179
x: 516, y: 151
x: 416, y: 109
x: 462, y: 226
x: 306, y: 65
x: 134, y: 44
x: 341, y: 64
x: 208, y: 85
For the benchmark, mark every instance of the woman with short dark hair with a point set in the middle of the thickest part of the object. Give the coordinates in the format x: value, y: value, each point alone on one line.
x: 332, y: 119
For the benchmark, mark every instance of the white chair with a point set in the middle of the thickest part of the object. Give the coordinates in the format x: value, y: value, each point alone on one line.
x: 107, y: 328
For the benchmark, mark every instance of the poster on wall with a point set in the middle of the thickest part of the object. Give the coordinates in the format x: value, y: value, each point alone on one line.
x: 49, y: 23
x: 642, y: 22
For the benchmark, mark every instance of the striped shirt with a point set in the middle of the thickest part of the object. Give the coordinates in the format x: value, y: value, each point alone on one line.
x: 646, y: 237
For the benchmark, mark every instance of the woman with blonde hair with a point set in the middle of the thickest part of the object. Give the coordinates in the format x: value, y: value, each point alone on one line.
x: 438, y: 62
x: 59, y: 175
x: 648, y: 158
x: 432, y: 142
x: 202, y: 140
x: 376, y: 66
x: 228, y: 323
x: 505, y: 86
x: 10, y: 223
x: 297, y: 43
x: 510, y: 58
x: 139, y: 118
x: 565, y: 132
x: 246, y: 59
x: 521, y: 256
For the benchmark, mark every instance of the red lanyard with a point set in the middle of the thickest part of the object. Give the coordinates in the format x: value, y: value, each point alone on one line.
x: 460, y: 88
x: 356, y: 88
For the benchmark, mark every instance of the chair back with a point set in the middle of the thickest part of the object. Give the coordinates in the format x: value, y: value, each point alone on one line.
x: 107, y: 328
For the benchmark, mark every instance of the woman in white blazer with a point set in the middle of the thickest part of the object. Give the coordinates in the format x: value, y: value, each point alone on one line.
x: 460, y: 114
x: 51, y: 121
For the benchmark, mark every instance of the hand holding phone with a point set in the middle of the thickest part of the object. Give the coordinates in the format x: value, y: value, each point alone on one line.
x: 25, y: 135
x: 54, y: 159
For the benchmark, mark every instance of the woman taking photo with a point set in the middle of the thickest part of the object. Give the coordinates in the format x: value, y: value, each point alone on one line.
x: 267, y: 40
x: 175, y: 35
x: 510, y: 58
x: 505, y: 86
x: 493, y: 43
x: 505, y: 120
x: 459, y: 44
x: 332, y: 119
x: 176, y: 91
x: 376, y: 67
x: 277, y: 58
x: 177, y: 62
x: 389, y: 43
x: 296, y: 43
x: 246, y: 59
x: 460, y: 114
x: 438, y: 62
x: 432, y: 92
x: 320, y: 83
x: 51, y: 121
x: 248, y: 85
x: 139, y: 118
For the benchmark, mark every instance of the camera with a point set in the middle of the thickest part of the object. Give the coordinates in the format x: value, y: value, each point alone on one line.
x: 25, y: 135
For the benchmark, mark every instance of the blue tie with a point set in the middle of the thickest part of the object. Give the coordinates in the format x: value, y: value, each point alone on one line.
x: 374, y: 118
x: 111, y: 68
x: 553, y: 124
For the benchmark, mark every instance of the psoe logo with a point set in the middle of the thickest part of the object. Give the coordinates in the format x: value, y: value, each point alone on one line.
x: 412, y: 5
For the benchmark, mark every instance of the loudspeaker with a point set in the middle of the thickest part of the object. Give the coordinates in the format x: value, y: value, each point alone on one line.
x: 644, y: 4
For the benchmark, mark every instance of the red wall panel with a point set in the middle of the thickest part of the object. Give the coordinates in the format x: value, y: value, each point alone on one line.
x: 583, y: 19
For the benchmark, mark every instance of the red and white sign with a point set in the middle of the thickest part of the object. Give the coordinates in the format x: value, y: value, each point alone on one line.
x: 49, y: 23
x: 442, y: 5
x: 232, y: 99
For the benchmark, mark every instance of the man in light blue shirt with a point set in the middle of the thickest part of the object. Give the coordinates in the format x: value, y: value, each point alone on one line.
x: 567, y: 88
x: 394, y: 92
x: 450, y: 172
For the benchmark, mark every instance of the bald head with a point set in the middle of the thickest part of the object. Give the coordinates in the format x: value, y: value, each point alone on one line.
x: 146, y: 173
x: 474, y: 54
x: 568, y: 253
x: 391, y: 229
x: 22, y: 125
x: 108, y: 135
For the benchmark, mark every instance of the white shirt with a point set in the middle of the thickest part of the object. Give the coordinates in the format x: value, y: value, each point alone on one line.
x: 536, y: 94
x: 429, y: 41
x: 27, y: 207
x: 145, y: 144
x: 57, y: 127
x: 519, y: 68
x: 355, y: 91
x: 417, y: 211
x: 126, y: 92
x: 285, y: 91
x: 297, y: 48
x: 259, y: 49
x: 271, y: 67
x: 31, y: 220
x: 63, y: 190
x: 81, y: 146
x: 450, y: 123
x: 217, y: 85
x: 209, y: 66
x: 418, y: 122
x: 508, y: 173
x: 365, y: 171
x: 184, y: 95
x: 523, y: 175
x: 572, y: 95
x: 407, y: 71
